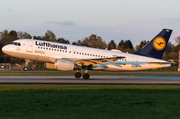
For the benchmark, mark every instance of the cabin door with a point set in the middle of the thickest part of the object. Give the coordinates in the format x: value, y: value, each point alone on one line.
x: 30, y: 46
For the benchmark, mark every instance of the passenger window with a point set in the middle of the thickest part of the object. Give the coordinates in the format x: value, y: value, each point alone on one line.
x: 69, y: 51
x: 15, y: 43
x: 19, y: 44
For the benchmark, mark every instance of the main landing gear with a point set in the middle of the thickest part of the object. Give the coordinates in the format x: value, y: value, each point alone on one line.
x: 85, y: 75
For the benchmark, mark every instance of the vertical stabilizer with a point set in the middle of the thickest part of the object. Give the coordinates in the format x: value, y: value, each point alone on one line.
x: 155, y: 48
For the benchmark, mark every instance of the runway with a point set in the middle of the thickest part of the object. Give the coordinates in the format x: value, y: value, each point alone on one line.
x: 108, y: 80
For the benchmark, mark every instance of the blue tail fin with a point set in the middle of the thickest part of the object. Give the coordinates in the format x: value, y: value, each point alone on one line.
x: 155, y: 48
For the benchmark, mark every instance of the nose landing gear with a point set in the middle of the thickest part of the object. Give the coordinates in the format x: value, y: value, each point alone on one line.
x: 25, y: 68
x: 26, y: 64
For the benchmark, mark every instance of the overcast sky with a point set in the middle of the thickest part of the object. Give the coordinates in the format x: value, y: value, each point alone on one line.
x: 74, y: 20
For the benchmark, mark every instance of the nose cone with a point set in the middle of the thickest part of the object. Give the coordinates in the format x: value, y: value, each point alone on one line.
x: 9, y: 50
x: 5, y: 49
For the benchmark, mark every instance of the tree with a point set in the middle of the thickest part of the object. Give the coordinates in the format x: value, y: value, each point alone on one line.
x: 177, y: 39
x: 169, y: 48
x: 50, y: 36
x: 125, y: 46
x: 26, y: 35
x: 79, y: 42
x: 13, y: 35
x: 121, y: 45
x: 38, y: 37
x: 128, y: 44
x: 4, y: 36
x: 62, y: 40
x: 8, y: 37
x: 20, y: 35
x: 141, y: 45
x: 111, y: 45
x: 93, y: 41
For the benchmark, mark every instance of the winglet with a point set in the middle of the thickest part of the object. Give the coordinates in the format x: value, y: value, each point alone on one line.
x: 155, y: 48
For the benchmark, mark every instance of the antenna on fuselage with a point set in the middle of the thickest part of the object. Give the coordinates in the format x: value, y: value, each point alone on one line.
x: 32, y: 38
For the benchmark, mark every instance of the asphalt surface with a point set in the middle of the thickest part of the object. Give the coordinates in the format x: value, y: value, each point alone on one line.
x: 94, y: 80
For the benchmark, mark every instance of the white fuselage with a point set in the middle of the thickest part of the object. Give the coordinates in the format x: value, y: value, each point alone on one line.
x: 50, y: 51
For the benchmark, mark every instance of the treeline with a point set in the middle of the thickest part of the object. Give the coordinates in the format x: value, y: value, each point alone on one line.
x: 6, y: 37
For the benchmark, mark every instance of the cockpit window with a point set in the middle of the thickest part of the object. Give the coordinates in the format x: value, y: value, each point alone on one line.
x: 16, y: 43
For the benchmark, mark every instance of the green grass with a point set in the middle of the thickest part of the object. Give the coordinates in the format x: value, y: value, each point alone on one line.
x: 89, y: 101
x: 91, y: 73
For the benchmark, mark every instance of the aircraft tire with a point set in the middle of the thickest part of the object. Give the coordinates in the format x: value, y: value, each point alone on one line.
x: 86, y: 76
x: 25, y: 68
x: 77, y: 74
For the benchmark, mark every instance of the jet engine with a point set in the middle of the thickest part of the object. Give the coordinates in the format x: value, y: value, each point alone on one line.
x: 66, y: 65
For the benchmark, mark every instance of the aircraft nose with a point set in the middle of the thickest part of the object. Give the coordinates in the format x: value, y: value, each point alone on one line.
x: 5, y: 49
x: 9, y: 50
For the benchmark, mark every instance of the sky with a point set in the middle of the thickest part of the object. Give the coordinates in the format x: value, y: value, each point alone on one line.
x: 74, y: 20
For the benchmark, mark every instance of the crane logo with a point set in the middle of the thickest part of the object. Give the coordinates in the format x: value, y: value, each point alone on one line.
x: 159, y: 43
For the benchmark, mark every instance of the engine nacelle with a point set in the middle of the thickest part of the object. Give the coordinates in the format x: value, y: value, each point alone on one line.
x: 65, y: 65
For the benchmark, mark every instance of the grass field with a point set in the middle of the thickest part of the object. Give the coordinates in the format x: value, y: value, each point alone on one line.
x: 94, y: 73
x: 89, y: 101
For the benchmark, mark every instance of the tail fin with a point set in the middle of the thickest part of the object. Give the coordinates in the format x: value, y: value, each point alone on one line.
x: 155, y: 48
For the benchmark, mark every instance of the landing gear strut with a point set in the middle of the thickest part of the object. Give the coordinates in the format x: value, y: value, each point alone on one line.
x: 86, y: 75
x: 26, y: 64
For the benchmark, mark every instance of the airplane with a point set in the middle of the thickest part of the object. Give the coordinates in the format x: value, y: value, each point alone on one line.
x: 65, y: 57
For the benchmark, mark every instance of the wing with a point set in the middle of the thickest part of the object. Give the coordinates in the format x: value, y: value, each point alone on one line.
x: 94, y: 61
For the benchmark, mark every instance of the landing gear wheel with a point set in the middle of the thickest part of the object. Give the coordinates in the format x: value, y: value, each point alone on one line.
x: 86, y: 76
x: 77, y: 74
x: 25, y: 68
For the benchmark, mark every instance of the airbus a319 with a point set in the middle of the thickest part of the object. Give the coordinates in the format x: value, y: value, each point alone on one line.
x: 66, y: 57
